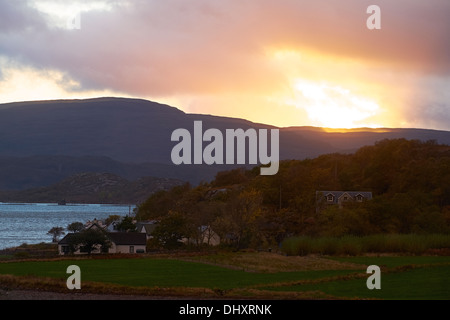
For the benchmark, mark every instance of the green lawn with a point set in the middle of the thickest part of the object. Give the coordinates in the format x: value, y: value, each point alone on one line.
x: 424, y: 277
x: 432, y: 283
x: 429, y: 280
x: 160, y: 273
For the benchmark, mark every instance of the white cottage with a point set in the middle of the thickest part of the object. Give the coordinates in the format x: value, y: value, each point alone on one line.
x: 121, y: 242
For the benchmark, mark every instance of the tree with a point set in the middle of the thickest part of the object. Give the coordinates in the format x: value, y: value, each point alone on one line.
x: 112, y: 218
x: 171, y: 230
x: 351, y: 219
x: 88, y: 240
x: 126, y: 225
x: 244, y: 211
x: 75, y: 227
x: 231, y: 177
x: 160, y: 203
x: 56, y: 232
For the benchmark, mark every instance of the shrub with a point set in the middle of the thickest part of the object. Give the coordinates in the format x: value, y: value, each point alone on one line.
x: 326, y: 246
x: 21, y: 254
x: 297, y: 246
x: 349, y: 245
x: 353, y: 245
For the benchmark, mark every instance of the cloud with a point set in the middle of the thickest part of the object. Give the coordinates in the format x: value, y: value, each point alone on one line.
x: 16, y: 16
x: 413, y: 33
x: 171, y: 46
x: 428, y: 102
x: 212, y: 47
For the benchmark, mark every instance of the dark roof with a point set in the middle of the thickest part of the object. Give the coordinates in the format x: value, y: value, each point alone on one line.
x: 128, y: 238
x: 148, y: 226
x: 96, y: 225
x: 337, y: 194
x: 65, y: 239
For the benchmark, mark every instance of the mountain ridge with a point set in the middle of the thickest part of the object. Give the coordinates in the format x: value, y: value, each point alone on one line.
x: 42, y: 142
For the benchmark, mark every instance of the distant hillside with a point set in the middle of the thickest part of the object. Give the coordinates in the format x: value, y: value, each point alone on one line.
x: 20, y: 173
x: 93, y: 188
x: 43, y: 142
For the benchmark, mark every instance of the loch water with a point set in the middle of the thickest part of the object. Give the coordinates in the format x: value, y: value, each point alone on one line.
x: 29, y: 222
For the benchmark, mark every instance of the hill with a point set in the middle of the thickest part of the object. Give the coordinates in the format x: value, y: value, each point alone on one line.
x: 409, y: 179
x: 93, y: 188
x: 42, y: 142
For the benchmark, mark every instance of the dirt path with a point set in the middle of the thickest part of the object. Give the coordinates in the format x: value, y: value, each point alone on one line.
x: 46, y: 295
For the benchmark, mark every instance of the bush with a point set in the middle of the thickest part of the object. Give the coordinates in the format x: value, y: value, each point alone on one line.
x: 21, y: 254
x: 353, y: 245
x: 297, y: 246
x: 349, y: 245
x: 326, y: 246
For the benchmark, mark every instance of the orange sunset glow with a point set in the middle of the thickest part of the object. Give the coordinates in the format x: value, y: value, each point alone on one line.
x: 284, y: 63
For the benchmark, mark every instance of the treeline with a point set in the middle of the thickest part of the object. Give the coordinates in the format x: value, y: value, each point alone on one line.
x: 409, y: 179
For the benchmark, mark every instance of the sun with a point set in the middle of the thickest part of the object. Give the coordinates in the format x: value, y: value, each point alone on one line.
x: 333, y: 106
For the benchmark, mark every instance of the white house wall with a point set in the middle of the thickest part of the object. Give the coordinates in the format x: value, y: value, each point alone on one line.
x: 126, y: 248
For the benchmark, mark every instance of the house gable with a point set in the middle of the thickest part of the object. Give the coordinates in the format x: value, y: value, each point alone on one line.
x: 331, y: 198
x: 95, y: 225
x: 345, y: 197
x: 147, y: 227
x: 359, y: 197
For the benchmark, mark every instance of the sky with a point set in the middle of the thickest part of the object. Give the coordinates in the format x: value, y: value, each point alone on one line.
x: 279, y: 62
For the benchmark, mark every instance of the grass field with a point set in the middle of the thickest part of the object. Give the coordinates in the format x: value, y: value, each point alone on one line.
x: 402, y: 278
x: 251, y: 274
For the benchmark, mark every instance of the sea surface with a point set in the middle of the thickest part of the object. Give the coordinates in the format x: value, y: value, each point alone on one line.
x: 29, y: 223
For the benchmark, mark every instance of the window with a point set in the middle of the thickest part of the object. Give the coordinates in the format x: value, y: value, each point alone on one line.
x: 359, y: 198
x: 131, y: 249
x: 330, y: 198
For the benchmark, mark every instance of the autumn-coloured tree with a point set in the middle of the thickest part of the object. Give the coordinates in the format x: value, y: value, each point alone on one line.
x: 56, y: 232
